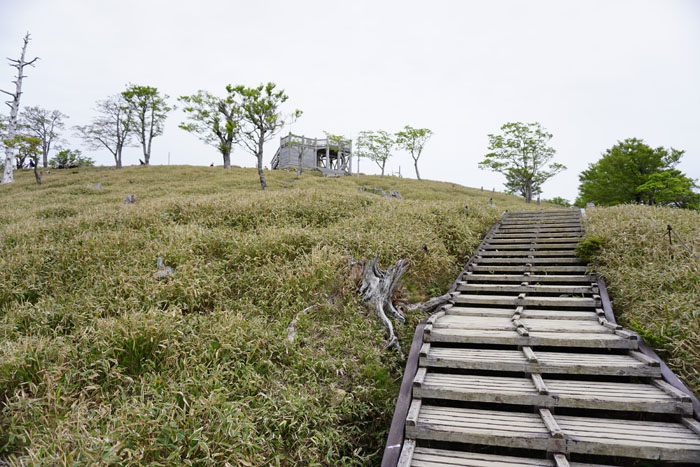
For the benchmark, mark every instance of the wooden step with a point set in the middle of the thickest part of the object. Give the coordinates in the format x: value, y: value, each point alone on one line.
x: 416, y: 456
x: 518, y: 253
x: 527, y: 300
x: 454, y: 322
x: 585, y: 435
x: 535, y: 314
x: 509, y: 241
x: 489, y: 260
x: 552, y: 289
x: 528, y: 245
x: 549, y: 339
x: 538, y: 229
x: 551, y: 393
x: 547, y: 362
x: 532, y: 279
x: 534, y: 268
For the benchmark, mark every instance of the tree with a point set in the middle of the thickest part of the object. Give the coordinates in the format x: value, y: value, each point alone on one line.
x: 69, y: 159
x: 670, y: 188
x: 522, y: 154
x: 624, y: 168
x: 27, y: 147
x: 413, y: 140
x: 297, y: 147
x: 376, y: 146
x: 44, y: 125
x: 261, y: 118
x: 215, y: 120
x: 110, y: 129
x: 8, y: 176
x: 148, y: 113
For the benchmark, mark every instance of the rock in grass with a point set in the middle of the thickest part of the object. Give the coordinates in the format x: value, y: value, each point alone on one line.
x: 163, y: 271
x: 130, y: 199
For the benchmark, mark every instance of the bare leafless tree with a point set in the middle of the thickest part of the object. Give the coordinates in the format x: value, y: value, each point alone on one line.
x: 44, y: 125
x: 110, y: 129
x: 8, y: 175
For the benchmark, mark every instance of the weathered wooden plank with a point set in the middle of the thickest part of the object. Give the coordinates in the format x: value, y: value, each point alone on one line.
x: 558, y: 289
x: 431, y: 457
x: 535, y: 268
x: 645, y: 440
x: 550, y: 393
x: 526, y: 253
x: 533, y: 279
x: 510, y: 241
x: 526, y: 301
x: 406, y: 458
x: 528, y: 260
x: 551, y: 339
x: 528, y: 246
x: 549, y: 362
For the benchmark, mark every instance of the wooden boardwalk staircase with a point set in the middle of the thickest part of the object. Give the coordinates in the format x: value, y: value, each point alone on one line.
x: 526, y: 366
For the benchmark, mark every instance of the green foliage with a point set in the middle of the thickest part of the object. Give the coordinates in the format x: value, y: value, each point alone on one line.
x: 26, y: 147
x: 375, y: 146
x: 590, y: 247
x: 523, y: 155
x: 413, y: 140
x: 633, y: 172
x: 149, y: 110
x: 261, y: 118
x: 102, y: 363
x: 559, y: 201
x: 654, y: 286
x: 70, y: 159
x: 215, y: 120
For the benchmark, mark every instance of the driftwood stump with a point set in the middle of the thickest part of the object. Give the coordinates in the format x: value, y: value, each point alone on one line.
x: 377, y: 289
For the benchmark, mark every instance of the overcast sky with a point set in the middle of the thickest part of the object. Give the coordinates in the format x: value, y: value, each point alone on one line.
x: 591, y: 72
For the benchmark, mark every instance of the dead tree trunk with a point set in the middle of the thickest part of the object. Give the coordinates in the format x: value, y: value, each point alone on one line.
x: 8, y: 175
x: 378, y: 288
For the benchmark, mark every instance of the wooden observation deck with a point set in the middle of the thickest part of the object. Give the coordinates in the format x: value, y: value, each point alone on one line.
x: 332, y: 156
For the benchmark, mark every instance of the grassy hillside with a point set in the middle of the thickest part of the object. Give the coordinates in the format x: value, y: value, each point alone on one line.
x: 654, y: 287
x: 100, y: 361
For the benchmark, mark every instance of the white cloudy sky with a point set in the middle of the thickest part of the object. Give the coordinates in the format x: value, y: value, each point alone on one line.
x: 592, y: 72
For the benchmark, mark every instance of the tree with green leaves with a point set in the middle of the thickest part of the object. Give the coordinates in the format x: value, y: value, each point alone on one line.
x: 19, y: 64
x: 633, y: 172
x: 149, y: 110
x: 523, y: 155
x: 375, y: 146
x: 111, y: 128
x: 70, y: 159
x: 261, y: 118
x: 27, y: 147
x: 413, y: 140
x: 215, y: 120
x: 45, y: 125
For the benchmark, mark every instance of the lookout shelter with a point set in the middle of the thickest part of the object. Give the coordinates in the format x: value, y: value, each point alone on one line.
x: 332, y: 156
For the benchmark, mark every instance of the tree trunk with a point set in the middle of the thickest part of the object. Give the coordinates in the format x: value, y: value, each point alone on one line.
x: 8, y: 175
x: 383, y: 165
x: 227, y: 158
x: 45, y: 159
x: 37, y: 175
x: 263, y: 185
x: 415, y: 164
x: 528, y: 192
x: 301, y: 155
x: 118, y: 156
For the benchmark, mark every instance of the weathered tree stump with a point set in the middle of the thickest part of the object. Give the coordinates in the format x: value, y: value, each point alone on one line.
x: 377, y: 289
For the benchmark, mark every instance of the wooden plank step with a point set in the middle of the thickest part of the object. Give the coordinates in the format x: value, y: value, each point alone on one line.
x: 546, y: 253
x: 509, y: 241
x: 548, y: 362
x: 489, y: 260
x: 533, y: 338
x: 560, y: 393
x: 528, y: 245
x: 558, y: 289
x: 532, y: 279
x: 521, y: 268
x: 629, y: 438
x: 526, y: 301
x: 430, y: 457
x: 536, y: 314
x: 451, y: 321
x: 548, y: 223
x: 487, y: 427
x: 538, y: 229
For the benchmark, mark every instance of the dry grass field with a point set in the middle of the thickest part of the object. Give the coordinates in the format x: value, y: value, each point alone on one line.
x: 654, y: 287
x: 101, y: 362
